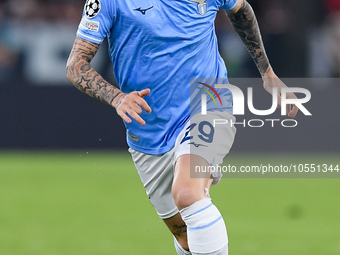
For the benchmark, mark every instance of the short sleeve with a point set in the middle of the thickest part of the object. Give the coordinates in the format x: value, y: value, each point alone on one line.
x: 227, y: 4
x: 96, y: 23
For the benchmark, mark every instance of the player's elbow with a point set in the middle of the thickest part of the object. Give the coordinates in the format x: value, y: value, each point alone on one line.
x: 74, y: 67
x: 68, y: 73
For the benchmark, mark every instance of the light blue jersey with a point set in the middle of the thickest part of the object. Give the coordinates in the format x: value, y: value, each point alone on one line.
x: 161, y: 45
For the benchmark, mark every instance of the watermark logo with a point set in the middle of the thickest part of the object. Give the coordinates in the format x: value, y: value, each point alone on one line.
x: 209, y: 93
x: 240, y: 101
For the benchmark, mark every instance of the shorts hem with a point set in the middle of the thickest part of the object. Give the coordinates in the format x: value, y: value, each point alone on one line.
x: 168, y: 215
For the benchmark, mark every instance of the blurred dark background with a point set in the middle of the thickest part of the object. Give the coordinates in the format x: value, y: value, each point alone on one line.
x: 41, y: 109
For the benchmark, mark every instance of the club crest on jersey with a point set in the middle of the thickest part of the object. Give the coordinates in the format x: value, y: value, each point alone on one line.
x: 92, y: 8
x: 201, y: 6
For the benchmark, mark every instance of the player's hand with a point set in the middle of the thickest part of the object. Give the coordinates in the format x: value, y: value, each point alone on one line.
x: 132, y: 104
x: 270, y: 81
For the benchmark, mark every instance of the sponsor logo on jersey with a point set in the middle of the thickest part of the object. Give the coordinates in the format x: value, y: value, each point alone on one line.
x: 201, y: 6
x: 92, y: 8
x: 197, y: 144
x: 143, y: 11
x: 90, y: 25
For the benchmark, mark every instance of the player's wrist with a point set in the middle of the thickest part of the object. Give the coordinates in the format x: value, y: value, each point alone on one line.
x: 117, y: 99
x: 269, y: 73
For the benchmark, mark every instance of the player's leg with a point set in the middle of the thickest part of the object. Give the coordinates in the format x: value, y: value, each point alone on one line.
x: 201, y: 144
x: 206, y: 230
x: 156, y: 173
x: 178, y: 227
x: 179, y: 230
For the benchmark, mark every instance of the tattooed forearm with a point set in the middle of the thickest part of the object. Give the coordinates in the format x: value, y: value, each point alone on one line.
x: 85, y: 77
x: 245, y: 24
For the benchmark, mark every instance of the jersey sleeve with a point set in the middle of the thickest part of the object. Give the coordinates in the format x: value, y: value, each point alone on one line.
x: 96, y: 23
x: 227, y: 4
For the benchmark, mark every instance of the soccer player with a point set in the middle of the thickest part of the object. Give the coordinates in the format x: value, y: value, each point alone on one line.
x: 158, y: 49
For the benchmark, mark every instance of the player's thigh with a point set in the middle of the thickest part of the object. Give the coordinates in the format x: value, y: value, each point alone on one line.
x: 202, y: 137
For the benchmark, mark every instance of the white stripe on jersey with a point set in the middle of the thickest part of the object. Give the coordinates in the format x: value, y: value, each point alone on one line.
x: 100, y: 41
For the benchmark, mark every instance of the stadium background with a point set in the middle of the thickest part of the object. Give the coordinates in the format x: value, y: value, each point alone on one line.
x: 67, y: 185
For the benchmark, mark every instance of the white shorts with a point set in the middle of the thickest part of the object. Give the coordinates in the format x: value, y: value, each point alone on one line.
x: 201, y: 136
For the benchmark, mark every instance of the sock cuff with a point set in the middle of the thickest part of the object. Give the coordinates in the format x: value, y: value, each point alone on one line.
x: 179, y: 248
x: 196, y: 207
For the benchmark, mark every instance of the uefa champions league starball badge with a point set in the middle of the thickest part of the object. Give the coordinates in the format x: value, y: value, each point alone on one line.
x: 92, y: 8
x: 201, y: 6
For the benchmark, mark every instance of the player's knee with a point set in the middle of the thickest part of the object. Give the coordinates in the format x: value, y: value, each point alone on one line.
x: 184, y: 197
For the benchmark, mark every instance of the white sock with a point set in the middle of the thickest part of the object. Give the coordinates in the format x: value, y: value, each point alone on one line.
x: 223, y: 251
x: 179, y: 248
x: 206, y: 230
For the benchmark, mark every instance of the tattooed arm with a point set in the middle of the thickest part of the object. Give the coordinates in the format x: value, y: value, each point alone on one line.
x: 85, y: 78
x: 245, y: 24
x: 88, y: 80
x: 243, y: 20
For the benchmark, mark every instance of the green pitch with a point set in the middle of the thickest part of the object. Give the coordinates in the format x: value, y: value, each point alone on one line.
x: 93, y: 203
